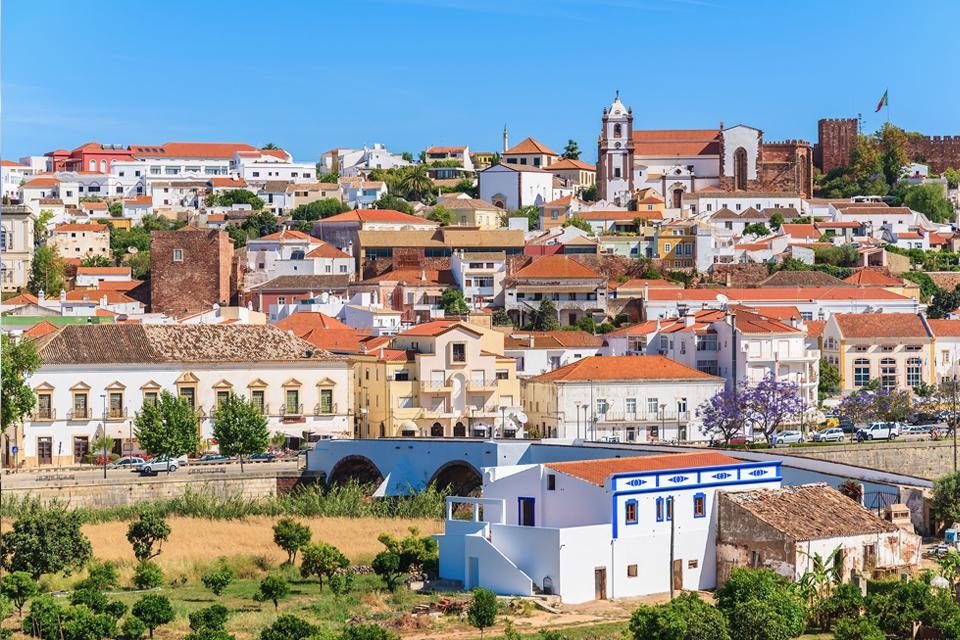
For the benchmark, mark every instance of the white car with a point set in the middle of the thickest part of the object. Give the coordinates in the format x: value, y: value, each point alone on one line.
x: 788, y: 437
x: 879, y: 431
x: 833, y: 434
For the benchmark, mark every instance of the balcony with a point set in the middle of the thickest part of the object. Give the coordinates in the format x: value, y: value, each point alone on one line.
x: 115, y: 414
x: 481, y: 384
x: 324, y: 409
x: 47, y: 414
x: 643, y: 416
x: 80, y: 413
x: 435, y: 385
x: 291, y: 411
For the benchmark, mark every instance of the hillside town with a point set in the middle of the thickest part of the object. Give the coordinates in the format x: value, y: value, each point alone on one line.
x: 658, y: 384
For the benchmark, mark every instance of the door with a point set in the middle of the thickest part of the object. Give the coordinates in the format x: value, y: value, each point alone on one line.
x: 677, y: 575
x: 81, y: 446
x: 44, y: 450
x: 600, y: 583
x: 525, y: 512
x: 473, y: 572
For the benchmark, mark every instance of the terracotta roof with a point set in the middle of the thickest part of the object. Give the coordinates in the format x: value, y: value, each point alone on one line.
x: 858, y: 209
x: 95, y: 295
x: 529, y: 146
x: 94, y: 206
x: 121, y: 285
x: 51, y: 201
x: 778, y: 313
x: 597, y: 471
x: 191, y: 149
x: 447, y: 237
x: 881, y: 325
x: 103, y: 271
x: 303, y: 322
x: 327, y: 250
x: 564, y: 201
x: 517, y: 167
x: 306, y: 282
x: 908, y: 235
x: 620, y: 215
x: 445, y: 149
x: 623, y: 368
x: 566, y: 164
x: 552, y: 340
x: 37, y: 183
x: 73, y: 226
x: 376, y: 215
x: 228, y: 182
x: 336, y: 340
x: 845, y: 224
x: 945, y: 328
x: 11, y: 163
x: 556, y: 266
x: 676, y: 142
x: 155, y: 343
x: 41, y: 329
x: 312, y: 186
x: 466, y: 203
x: 754, y: 323
x: 808, y: 512
x: 652, y: 283
x: 641, y: 328
x: 433, y: 277
x: 873, y: 278
x: 285, y: 235
x: 430, y: 329
x: 138, y: 200
x: 781, y: 294
x: 23, y: 298
x: 800, y: 230
x: 815, y: 327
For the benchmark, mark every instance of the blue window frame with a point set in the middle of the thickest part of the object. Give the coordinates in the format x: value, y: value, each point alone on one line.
x: 669, y: 508
x: 630, y: 512
x: 659, y: 509
x: 699, y: 505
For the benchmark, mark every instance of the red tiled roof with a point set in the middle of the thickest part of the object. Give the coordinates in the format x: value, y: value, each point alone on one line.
x: 376, y: 215
x: 287, y: 234
x: 23, y: 298
x: 94, y: 206
x: 620, y: 215
x: 40, y: 329
x: 304, y: 322
x: 445, y: 149
x: 119, y: 285
x: 755, y: 323
x: 551, y: 340
x: 623, y: 368
x: 228, y: 182
x: 11, y: 163
x: 556, y: 266
x: 327, y: 250
x: 800, y: 230
x: 529, y: 146
x: 570, y: 163
x: 41, y: 182
x: 815, y: 327
x: 74, y: 226
x: 778, y: 313
x: 597, y: 471
x: 415, y: 276
x: 846, y: 224
x: 945, y: 328
x: 561, y: 202
x: 873, y: 278
x: 103, y: 271
x: 785, y: 294
x: 858, y: 209
x: 676, y: 142
x: 137, y: 200
x: 191, y: 149
x: 435, y: 328
x: 336, y: 340
x: 94, y: 295
x: 881, y: 325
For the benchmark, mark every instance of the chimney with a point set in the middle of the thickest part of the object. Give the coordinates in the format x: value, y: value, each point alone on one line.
x: 103, y: 300
x: 729, y: 280
x: 689, y: 320
x: 41, y: 296
x: 423, y: 275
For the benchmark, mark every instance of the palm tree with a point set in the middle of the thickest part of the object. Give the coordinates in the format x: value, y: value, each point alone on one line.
x: 270, y: 146
x: 416, y: 183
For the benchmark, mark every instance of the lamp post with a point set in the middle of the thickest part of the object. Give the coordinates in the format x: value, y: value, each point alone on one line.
x: 578, y: 403
x: 103, y: 435
x: 953, y: 420
x: 663, y: 422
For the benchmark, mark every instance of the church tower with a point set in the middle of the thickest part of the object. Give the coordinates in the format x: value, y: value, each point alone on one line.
x: 615, y: 154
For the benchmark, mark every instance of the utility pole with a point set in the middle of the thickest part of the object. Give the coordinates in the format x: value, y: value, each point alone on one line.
x: 577, y: 403
x: 953, y: 420
x: 673, y: 527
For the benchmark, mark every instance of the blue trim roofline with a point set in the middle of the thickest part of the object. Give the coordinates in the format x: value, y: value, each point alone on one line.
x: 745, y: 465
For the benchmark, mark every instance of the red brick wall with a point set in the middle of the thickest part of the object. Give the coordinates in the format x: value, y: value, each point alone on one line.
x: 836, y: 138
x: 939, y: 152
x: 206, y: 276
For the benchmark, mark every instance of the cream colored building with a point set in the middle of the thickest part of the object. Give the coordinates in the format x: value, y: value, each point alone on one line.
x: 895, y: 348
x: 576, y: 173
x: 81, y: 240
x: 306, y: 192
x: 16, y: 246
x: 472, y: 212
x: 441, y: 378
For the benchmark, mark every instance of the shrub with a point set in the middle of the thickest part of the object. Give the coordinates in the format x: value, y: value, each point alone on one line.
x: 51, y: 621
x: 149, y: 529
x: 213, y: 617
x: 322, y: 560
x: 685, y: 618
x: 287, y: 627
x: 857, y: 629
x: 154, y: 610
x: 133, y: 628
x: 219, y: 579
x: 760, y: 605
x: 18, y: 587
x: 93, y: 600
x: 101, y: 576
x: 291, y: 536
x: 386, y: 564
x: 413, y: 551
x: 209, y: 634
x: 366, y: 632
x: 272, y: 589
x: 341, y: 583
x: 147, y: 575
x: 482, y: 612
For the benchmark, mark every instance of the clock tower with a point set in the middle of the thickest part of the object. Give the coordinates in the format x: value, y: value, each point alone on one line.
x: 615, y: 154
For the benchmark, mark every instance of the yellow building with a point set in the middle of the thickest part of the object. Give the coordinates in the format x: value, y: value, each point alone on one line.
x: 677, y: 244
x: 441, y: 378
x: 472, y: 212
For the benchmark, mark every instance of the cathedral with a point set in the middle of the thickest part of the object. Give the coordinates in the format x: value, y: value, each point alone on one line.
x: 678, y: 161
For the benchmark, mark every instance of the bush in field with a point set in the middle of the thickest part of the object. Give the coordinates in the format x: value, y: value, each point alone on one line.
x: 482, y: 612
x: 213, y: 617
x: 219, y: 579
x: 272, y: 589
x: 149, y: 529
x: 287, y: 627
x: 147, y: 575
x: 341, y: 583
x: 45, y: 540
x: 153, y: 610
x: 18, y: 587
x: 133, y: 628
x: 322, y: 560
x: 101, y: 576
x: 291, y: 536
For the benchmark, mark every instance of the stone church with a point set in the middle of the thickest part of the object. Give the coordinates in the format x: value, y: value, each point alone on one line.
x: 679, y: 161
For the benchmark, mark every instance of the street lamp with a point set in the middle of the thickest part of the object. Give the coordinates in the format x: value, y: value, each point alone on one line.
x: 103, y: 435
x: 663, y: 422
x: 578, y: 403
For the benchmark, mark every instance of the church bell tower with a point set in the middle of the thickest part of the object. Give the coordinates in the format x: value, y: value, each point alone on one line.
x: 615, y: 154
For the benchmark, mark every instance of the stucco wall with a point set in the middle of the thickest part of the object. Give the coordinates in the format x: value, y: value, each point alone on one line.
x: 921, y: 459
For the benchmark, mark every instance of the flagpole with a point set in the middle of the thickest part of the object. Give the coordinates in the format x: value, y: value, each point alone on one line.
x: 886, y: 94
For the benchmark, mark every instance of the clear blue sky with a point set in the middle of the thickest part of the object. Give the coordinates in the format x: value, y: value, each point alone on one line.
x: 310, y: 76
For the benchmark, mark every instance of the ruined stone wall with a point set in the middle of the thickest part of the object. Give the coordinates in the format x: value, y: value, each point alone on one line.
x: 939, y: 152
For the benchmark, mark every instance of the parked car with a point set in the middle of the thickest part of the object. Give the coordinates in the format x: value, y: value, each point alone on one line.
x: 924, y: 417
x: 126, y: 462
x: 610, y: 439
x: 158, y: 464
x: 266, y: 456
x: 833, y: 434
x: 214, y: 457
x: 788, y: 437
x: 916, y: 432
x: 879, y: 431
x: 739, y: 440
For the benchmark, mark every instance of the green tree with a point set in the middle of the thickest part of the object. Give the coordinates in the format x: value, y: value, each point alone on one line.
x: 273, y: 589
x: 235, y: 196
x: 211, y: 634
x: 413, y: 550
x: 100, y: 577
x: 287, y: 627
x: 931, y: 200
x: 46, y: 272
x: 756, y: 229
x: 116, y: 209
x: 139, y: 264
x: 394, y: 203
x: 453, y: 302
x: 545, y: 317
x: 571, y: 151
x: 149, y: 529
x: 776, y: 220
x: 240, y: 428
x: 500, y: 318
x: 857, y: 628
x: 944, y: 302
x: 96, y: 261
x: 291, y: 536
x: 133, y: 628
x: 590, y: 194
x: 829, y: 377
x: 261, y: 223
x: 327, y: 177
x: 687, y: 617
x: 238, y: 234
x: 167, y: 427
x: 951, y: 174
x: 269, y: 147
x: 319, y: 209
x: 18, y: 587
x: 18, y: 361
x: 904, y: 608
x: 760, y: 605
x: 366, y: 632
x: 946, y: 498
x: 482, y: 612
x: 531, y: 213
x: 579, y: 223
x: 386, y: 564
x: 218, y: 579
x: 441, y: 214
x: 322, y: 560
x: 416, y: 183
x: 213, y: 617
x: 153, y: 610
x: 40, y: 226
x: 45, y: 540
x: 147, y: 575
x: 892, y: 141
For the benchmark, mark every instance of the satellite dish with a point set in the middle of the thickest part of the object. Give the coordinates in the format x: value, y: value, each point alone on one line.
x: 520, y: 417
x: 722, y: 299
x: 132, y: 250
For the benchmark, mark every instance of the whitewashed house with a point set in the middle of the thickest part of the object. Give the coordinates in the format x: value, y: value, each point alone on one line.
x: 597, y: 529
x: 289, y: 253
x: 93, y: 375
x: 538, y: 352
x: 511, y: 186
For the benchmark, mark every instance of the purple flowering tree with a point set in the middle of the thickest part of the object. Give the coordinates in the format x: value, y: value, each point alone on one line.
x: 770, y: 404
x: 889, y: 405
x: 722, y: 415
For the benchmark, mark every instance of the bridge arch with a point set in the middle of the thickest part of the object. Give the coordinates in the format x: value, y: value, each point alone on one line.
x: 460, y: 476
x: 360, y: 469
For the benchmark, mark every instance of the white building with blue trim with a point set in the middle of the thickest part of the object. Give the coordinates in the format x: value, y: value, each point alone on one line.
x: 596, y: 529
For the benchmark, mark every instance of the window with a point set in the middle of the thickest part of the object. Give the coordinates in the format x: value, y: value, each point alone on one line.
x: 44, y: 406
x: 887, y: 348
x: 681, y: 405
x: 914, y: 372
x: 659, y: 509
x: 862, y: 348
x: 707, y: 342
x: 150, y: 397
x: 222, y: 397
x: 700, y: 505
x: 257, y: 397
x: 653, y: 407
x: 116, y: 404
x: 708, y: 366
x: 693, y: 564
x: 503, y: 374
x: 740, y: 169
x: 326, y: 401
x: 602, y: 406
x: 912, y: 347
x: 551, y: 482
x: 616, y: 172
x: 178, y: 255
x: 631, y: 571
x: 458, y: 352
x: 630, y: 512
x: 630, y: 405
x: 888, y: 373
x: 190, y: 395
x: 80, y: 406
x: 281, y: 300
x: 669, y: 508
x: 861, y: 372
x: 666, y: 247
x: 292, y: 401
x: 402, y: 375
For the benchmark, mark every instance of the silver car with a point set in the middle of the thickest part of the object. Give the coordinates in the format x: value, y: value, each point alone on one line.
x: 833, y: 434
x: 788, y: 437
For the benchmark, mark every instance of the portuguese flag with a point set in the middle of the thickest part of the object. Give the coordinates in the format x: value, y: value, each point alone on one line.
x: 884, y: 102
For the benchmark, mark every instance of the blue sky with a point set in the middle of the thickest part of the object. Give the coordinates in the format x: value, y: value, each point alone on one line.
x: 310, y: 76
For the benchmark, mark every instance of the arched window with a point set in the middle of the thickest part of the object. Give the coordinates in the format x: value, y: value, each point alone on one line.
x: 677, y: 198
x: 617, y: 131
x: 888, y: 373
x: 861, y: 372
x: 914, y: 372
x: 103, y: 166
x: 93, y: 165
x: 740, y: 169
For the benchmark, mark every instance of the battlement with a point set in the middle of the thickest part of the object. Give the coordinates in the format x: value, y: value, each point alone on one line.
x: 837, y: 120
x: 791, y: 142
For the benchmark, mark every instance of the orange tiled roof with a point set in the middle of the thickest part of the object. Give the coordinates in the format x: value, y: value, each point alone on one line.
x: 815, y: 327
x: 119, y: 285
x: 287, y: 234
x: 567, y: 164
x: 556, y: 266
x: 528, y: 146
x: 41, y: 182
x: 23, y: 298
x: 228, y: 182
x: 94, y: 295
x: 945, y: 328
x: 376, y: 215
x: 434, y: 328
x: 881, y: 325
x: 676, y: 142
x: 304, y: 322
x: 74, y: 226
x: 785, y: 294
x: 445, y: 149
x: 94, y: 206
x: 873, y: 278
x: 327, y: 250
x: 41, y: 329
x: 597, y: 471
x: 800, y: 230
x: 103, y: 271
x: 551, y: 340
x: 191, y: 149
x: 623, y: 368
x: 11, y: 163
x: 138, y: 200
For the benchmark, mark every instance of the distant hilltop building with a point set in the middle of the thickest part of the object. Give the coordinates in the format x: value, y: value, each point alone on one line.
x: 837, y: 137
x: 678, y: 161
